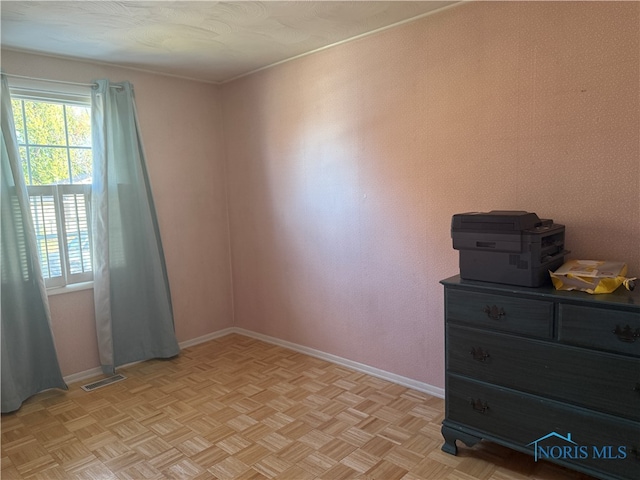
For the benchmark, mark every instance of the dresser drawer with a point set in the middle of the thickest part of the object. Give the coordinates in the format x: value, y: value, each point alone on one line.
x: 500, y: 312
x: 607, y: 382
x: 521, y: 419
x: 605, y: 329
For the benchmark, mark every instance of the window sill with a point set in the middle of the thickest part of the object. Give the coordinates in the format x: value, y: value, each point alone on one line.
x: 75, y: 287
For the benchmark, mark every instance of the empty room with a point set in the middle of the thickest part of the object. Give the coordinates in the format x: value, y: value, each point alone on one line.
x: 320, y: 240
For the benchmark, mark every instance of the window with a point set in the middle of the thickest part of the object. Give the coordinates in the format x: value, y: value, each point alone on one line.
x: 54, y: 139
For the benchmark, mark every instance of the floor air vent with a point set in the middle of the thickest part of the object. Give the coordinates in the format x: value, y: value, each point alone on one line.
x: 103, y: 383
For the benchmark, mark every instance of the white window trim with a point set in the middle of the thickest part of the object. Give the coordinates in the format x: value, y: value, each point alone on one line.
x: 47, y: 91
x: 73, y: 287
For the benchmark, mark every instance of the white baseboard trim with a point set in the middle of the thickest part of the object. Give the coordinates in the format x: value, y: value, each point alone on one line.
x: 205, y: 338
x: 80, y: 376
x: 94, y: 372
x: 360, y: 367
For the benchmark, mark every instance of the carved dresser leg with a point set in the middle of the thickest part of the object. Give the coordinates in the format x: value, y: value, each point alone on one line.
x: 451, y: 435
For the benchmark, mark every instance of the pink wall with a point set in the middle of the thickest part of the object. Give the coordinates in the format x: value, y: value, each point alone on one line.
x: 181, y: 126
x: 345, y: 167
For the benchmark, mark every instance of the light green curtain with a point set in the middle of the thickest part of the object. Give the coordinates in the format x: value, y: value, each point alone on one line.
x: 134, y: 315
x: 29, y: 361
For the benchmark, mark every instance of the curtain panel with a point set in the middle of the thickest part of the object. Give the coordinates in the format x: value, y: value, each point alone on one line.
x: 134, y: 315
x: 29, y: 360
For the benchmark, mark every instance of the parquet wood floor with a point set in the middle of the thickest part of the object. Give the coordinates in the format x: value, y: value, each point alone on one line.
x: 239, y: 408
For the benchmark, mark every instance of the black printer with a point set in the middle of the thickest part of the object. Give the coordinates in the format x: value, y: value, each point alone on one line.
x: 506, y: 246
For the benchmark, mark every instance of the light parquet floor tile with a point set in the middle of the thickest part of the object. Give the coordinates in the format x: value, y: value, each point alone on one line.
x: 239, y: 408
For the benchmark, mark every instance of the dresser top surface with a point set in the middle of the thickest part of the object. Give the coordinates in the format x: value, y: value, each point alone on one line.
x: 620, y: 298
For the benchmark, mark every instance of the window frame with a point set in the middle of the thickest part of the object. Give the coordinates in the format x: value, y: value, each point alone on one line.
x: 58, y: 192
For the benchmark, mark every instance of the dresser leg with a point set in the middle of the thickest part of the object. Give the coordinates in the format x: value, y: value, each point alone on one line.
x: 451, y: 435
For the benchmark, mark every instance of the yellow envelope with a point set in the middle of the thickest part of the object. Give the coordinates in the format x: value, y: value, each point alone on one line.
x: 592, y: 276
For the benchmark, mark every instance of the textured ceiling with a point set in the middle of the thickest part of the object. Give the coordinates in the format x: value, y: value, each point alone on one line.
x: 205, y: 40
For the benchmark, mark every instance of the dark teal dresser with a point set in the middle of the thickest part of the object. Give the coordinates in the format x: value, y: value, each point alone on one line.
x: 551, y: 373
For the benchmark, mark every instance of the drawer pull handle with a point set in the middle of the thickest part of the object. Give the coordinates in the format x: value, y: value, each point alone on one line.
x: 494, y: 313
x: 479, y: 406
x: 626, y: 334
x: 479, y: 354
